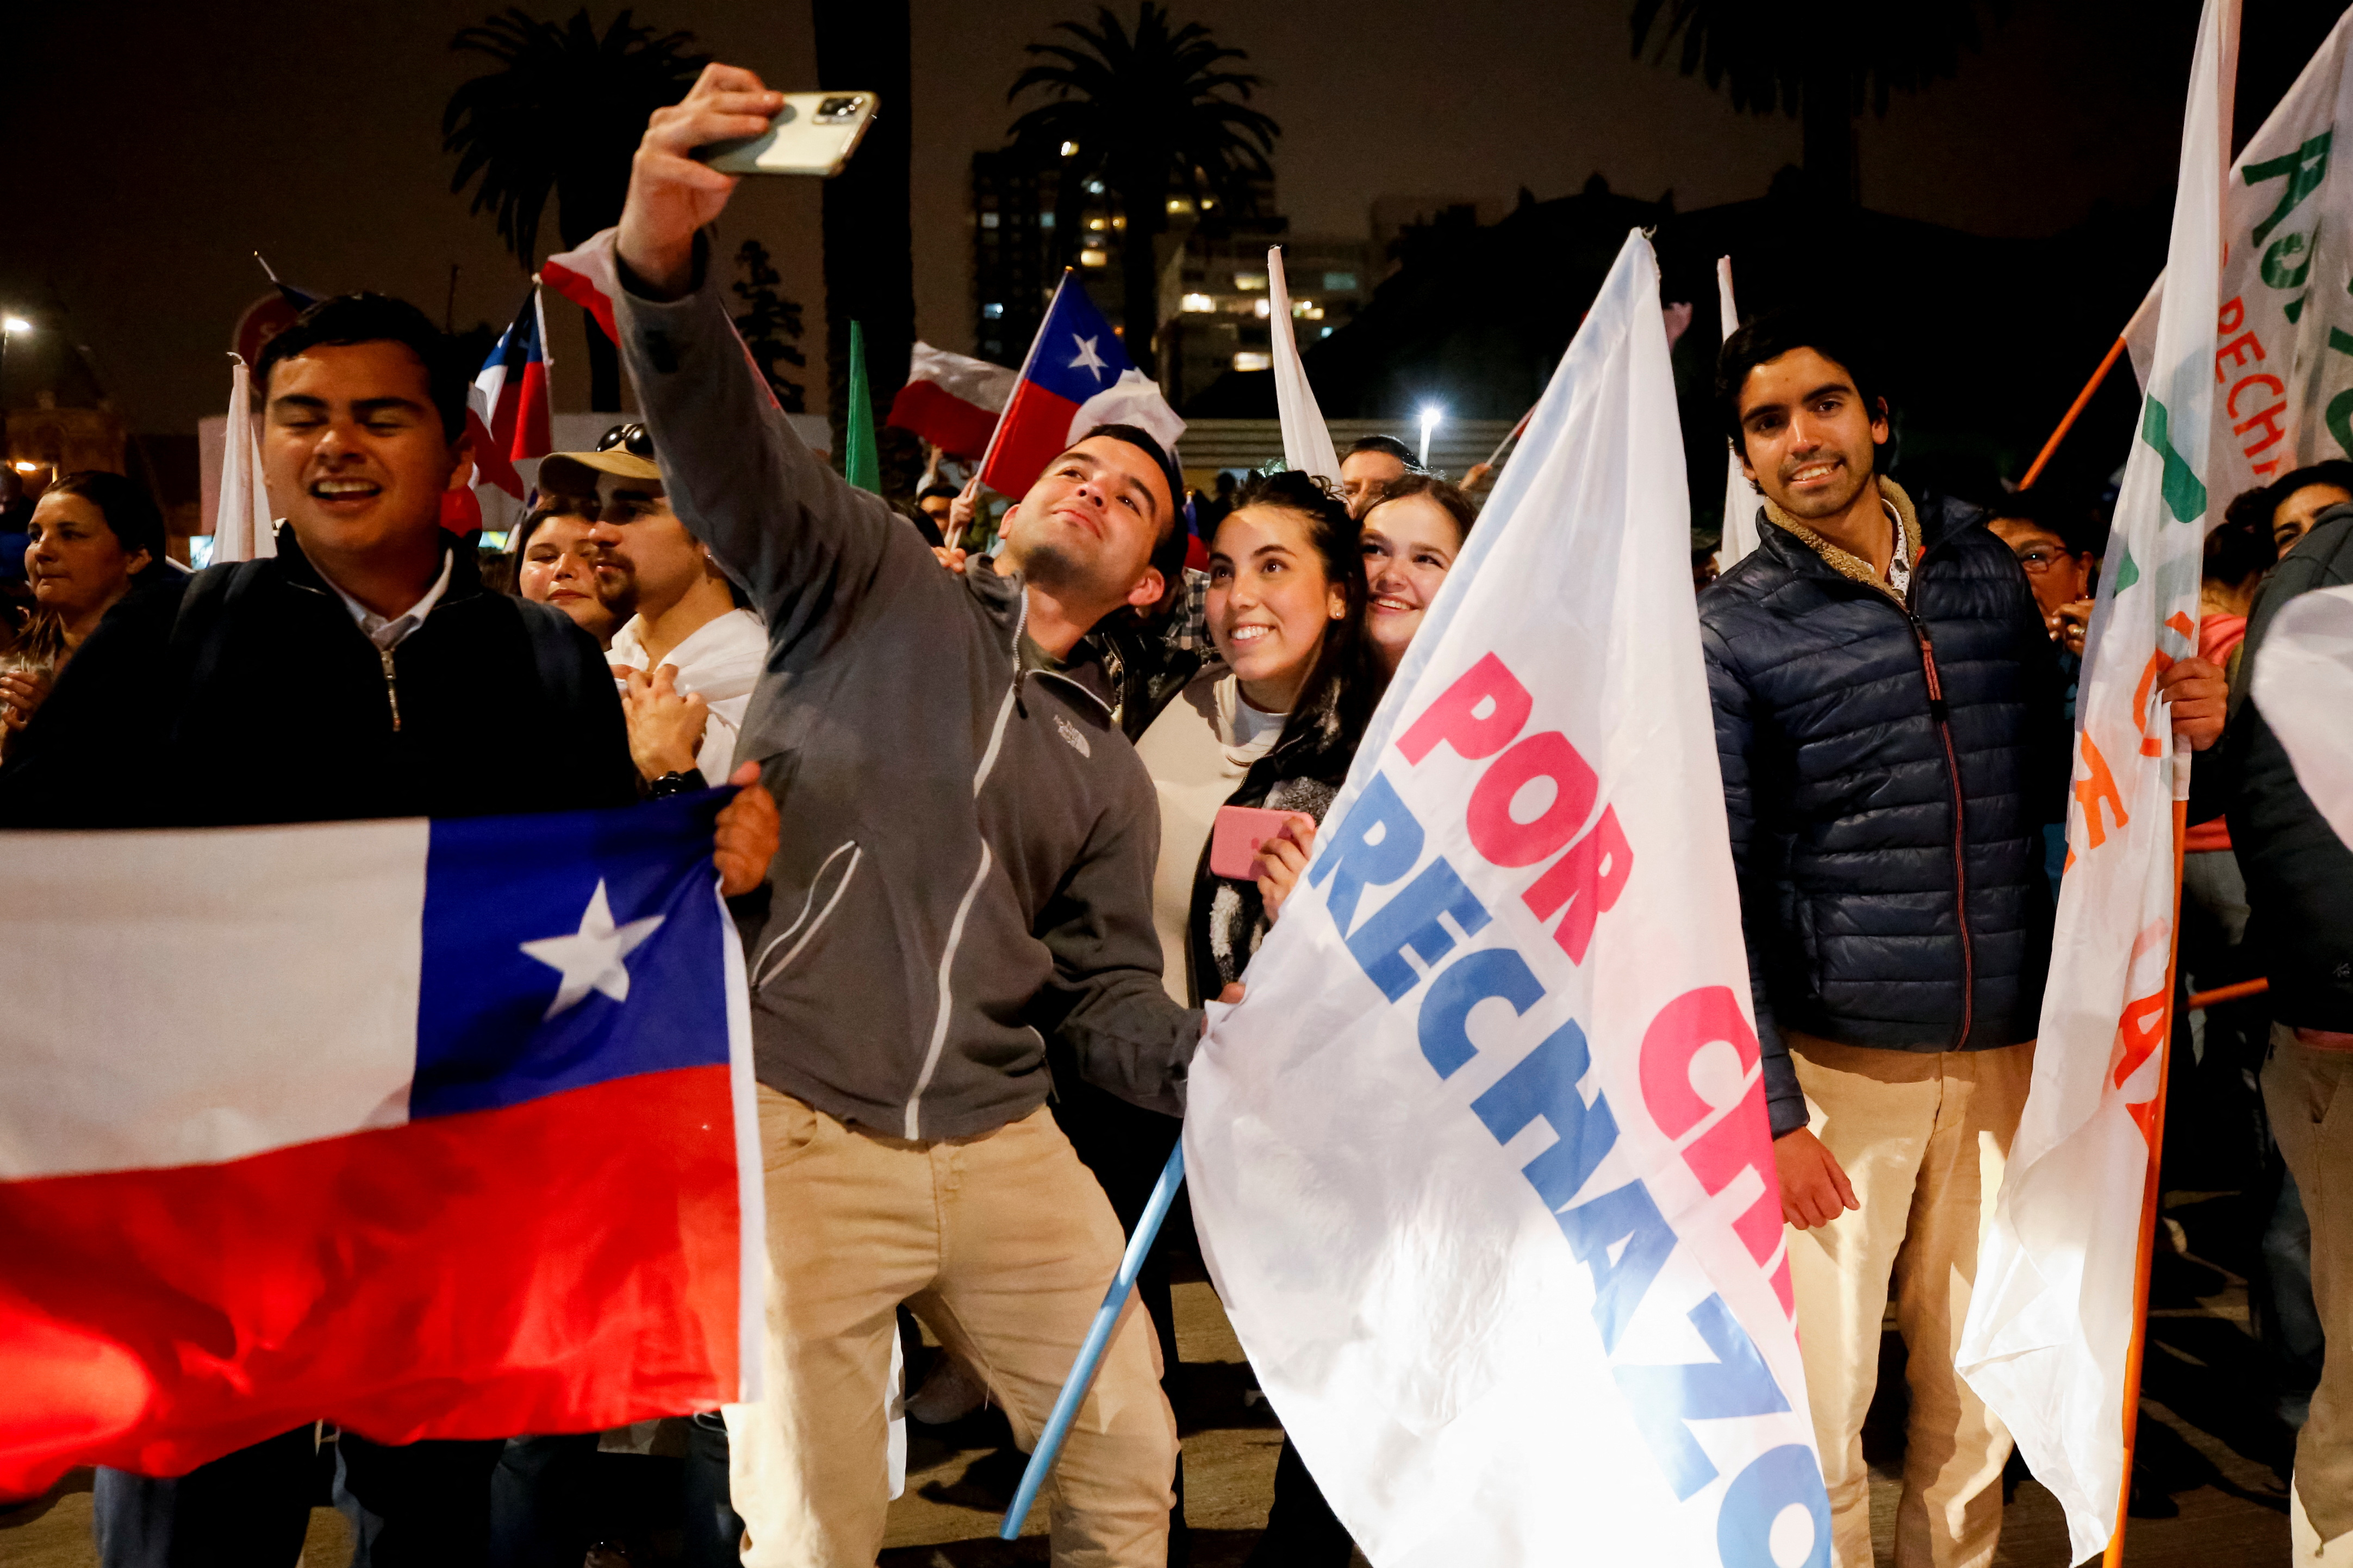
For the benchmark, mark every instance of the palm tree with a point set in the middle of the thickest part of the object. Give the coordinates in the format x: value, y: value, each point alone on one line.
x: 1151, y: 113
x: 560, y: 115
x: 1824, y: 68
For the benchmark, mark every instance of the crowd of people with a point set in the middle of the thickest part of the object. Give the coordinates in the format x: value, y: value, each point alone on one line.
x: 970, y: 859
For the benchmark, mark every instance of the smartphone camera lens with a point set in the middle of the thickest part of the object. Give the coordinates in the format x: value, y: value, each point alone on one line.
x: 836, y: 111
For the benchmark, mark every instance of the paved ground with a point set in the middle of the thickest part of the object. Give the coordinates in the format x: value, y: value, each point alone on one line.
x: 2212, y: 1447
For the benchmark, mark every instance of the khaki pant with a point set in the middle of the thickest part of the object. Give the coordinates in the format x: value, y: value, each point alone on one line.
x: 2310, y: 1093
x: 1921, y: 1136
x: 1003, y: 1245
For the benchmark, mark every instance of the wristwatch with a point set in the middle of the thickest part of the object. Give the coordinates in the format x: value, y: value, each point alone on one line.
x: 671, y: 784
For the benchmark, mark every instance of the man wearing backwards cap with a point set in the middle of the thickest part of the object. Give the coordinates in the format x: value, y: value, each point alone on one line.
x: 688, y: 658
x: 970, y: 869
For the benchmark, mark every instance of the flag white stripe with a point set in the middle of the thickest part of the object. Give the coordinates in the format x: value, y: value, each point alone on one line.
x: 267, y: 991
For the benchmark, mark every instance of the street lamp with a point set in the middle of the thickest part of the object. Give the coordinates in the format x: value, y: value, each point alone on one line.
x: 1430, y: 416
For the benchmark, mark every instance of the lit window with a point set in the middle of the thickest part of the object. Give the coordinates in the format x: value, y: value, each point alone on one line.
x: 1120, y: 222
x: 988, y: 220
x: 1340, y: 283
x: 1262, y: 308
x: 1095, y: 187
x: 1307, y: 310
x: 1206, y: 203
x: 1045, y: 220
x: 1249, y: 283
x: 1091, y: 256
x: 1096, y: 223
x: 1324, y: 334
x: 1249, y: 361
x: 1199, y: 304
x: 1070, y: 149
x: 991, y: 312
x: 1180, y: 205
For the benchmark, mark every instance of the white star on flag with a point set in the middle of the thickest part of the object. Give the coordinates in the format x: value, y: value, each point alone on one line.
x: 1088, y: 359
x: 590, y: 959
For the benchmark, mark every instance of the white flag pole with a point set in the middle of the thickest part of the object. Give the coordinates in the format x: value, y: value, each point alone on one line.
x: 1739, y: 495
x: 241, y: 519
x: 1306, y: 441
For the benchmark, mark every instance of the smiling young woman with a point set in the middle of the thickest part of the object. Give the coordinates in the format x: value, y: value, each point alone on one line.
x: 1412, y: 535
x: 1275, y: 727
x: 1272, y: 725
x: 559, y: 562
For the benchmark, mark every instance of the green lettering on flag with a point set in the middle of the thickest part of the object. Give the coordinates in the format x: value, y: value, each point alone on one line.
x: 2340, y: 418
x: 2305, y: 168
x: 2293, y: 307
x: 2278, y: 270
x: 2185, y: 493
x: 2127, y: 571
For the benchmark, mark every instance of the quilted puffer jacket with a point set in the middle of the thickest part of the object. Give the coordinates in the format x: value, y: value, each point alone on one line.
x: 1887, y: 770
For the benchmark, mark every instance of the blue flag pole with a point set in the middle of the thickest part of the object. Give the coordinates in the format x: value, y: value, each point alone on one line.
x: 1090, y: 1350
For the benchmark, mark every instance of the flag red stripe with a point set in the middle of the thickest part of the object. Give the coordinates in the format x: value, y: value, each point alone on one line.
x: 564, y: 1265
x: 531, y: 438
x: 1036, y: 428
x: 959, y: 428
x: 584, y: 291
x: 490, y: 464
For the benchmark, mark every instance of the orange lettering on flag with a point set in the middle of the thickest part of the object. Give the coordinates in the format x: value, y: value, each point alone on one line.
x: 2160, y: 661
x: 2142, y: 1031
x: 2101, y: 786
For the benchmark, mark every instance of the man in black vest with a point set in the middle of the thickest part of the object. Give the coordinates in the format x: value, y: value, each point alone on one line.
x: 363, y: 671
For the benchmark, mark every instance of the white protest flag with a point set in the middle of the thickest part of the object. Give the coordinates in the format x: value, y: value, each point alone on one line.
x: 2054, y: 1310
x: 2304, y: 684
x: 1740, y: 497
x: 2283, y: 327
x: 1306, y: 441
x: 241, y: 521
x: 1481, y: 1164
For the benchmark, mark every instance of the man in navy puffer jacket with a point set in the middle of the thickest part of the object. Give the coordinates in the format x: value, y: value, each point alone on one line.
x: 1888, y: 719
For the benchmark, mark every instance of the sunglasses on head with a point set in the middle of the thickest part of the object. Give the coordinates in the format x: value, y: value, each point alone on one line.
x: 632, y: 437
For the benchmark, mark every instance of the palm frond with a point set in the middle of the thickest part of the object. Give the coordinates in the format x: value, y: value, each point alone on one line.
x: 557, y: 115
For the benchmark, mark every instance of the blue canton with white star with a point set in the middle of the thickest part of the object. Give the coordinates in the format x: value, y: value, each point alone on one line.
x: 1078, y: 354
x: 566, y: 950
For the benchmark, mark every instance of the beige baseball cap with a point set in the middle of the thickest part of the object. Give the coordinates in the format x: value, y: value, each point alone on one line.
x: 625, y: 451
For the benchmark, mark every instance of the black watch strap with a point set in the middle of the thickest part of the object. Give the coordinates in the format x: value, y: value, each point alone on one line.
x: 686, y: 783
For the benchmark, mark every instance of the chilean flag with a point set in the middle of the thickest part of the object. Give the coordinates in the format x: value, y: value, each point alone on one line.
x: 506, y: 411
x: 429, y: 1128
x: 1078, y: 375
x: 588, y: 278
x: 953, y: 401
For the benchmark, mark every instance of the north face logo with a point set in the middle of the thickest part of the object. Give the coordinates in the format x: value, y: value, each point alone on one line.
x: 1070, y: 732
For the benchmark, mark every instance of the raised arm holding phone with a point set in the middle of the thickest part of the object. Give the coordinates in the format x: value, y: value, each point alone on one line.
x: 968, y: 876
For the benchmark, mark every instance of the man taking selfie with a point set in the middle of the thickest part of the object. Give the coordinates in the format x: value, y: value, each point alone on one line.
x: 970, y: 872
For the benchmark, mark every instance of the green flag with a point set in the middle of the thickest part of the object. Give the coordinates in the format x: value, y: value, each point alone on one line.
x: 862, y: 464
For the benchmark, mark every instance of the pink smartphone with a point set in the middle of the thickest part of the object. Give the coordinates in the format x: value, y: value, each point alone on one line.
x: 1236, y: 834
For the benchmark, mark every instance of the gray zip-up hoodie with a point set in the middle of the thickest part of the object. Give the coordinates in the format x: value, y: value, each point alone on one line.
x: 968, y: 846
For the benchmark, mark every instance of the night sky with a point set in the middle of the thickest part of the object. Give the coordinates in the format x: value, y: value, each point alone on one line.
x: 149, y: 149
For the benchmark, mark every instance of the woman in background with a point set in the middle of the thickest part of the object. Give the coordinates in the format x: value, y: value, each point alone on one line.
x: 95, y: 537
x: 560, y: 563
